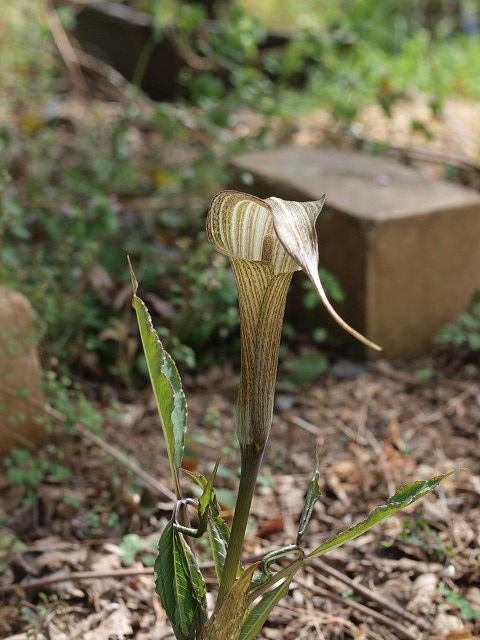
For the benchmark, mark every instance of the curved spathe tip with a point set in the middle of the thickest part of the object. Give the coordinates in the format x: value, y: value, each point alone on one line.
x: 315, y: 279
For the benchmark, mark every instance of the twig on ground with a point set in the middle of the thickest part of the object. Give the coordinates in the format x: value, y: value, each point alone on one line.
x: 337, y: 422
x: 438, y: 414
x: 75, y: 575
x: 124, y: 459
x: 305, y: 425
x: 325, y: 619
x: 366, y: 592
x: 97, y: 575
x: 111, y: 77
x: 344, y: 428
x: 361, y: 608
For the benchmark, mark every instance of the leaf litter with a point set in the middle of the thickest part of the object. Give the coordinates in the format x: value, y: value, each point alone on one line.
x: 414, y: 576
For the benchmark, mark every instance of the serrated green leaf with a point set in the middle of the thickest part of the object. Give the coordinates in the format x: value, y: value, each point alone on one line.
x: 218, y: 536
x: 196, y: 585
x: 164, y: 572
x: 405, y: 496
x: 180, y: 584
x: 166, y: 384
x: 260, y: 612
x: 185, y: 603
x: 226, y: 622
x: 313, y: 494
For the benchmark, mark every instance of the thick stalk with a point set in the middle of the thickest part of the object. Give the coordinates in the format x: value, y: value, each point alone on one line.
x: 251, y: 459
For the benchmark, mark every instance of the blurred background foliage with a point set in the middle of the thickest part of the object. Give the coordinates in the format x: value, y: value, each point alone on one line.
x: 91, y: 175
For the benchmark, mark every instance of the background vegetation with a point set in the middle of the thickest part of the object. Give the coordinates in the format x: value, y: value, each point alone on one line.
x: 82, y: 184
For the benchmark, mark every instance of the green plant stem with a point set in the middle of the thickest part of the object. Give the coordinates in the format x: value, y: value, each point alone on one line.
x: 250, y: 464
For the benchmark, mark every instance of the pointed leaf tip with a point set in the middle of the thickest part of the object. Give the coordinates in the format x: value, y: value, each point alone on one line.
x: 311, y: 498
x: 405, y: 496
x: 132, y: 276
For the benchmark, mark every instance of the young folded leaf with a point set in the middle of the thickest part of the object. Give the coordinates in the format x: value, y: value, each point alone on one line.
x: 218, y: 537
x: 313, y: 494
x: 166, y: 384
x: 226, y: 621
x: 208, y: 497
x: 207, y: 503
x: 405, y: 496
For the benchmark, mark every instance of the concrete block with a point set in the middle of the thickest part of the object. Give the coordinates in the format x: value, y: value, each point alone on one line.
x: 21, y: 397
x: 406, y: 249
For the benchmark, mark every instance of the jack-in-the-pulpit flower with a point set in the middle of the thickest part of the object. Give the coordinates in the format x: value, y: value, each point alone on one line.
x: 266, y: 241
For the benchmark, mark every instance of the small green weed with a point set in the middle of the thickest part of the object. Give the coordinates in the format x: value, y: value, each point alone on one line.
x: 418, y: 532
x: 468, y: 612
x: 101, y: 520
x: 67, y: 397
x: 24, y: 469
x: 132, y: 545
x: 10, y: 546
x: 464, y: 331
x: 302, y: 369
x: 425, y: 374
x: 34, y: 617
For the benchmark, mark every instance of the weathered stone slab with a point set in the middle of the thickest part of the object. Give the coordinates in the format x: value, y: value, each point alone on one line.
x: 21, y: 397
x: 405, y: 249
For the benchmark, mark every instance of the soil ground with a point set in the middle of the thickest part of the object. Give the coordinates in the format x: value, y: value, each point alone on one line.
x: 377, y: 426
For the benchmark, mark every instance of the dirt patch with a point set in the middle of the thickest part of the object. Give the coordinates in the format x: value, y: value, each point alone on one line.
x: 377, y: 427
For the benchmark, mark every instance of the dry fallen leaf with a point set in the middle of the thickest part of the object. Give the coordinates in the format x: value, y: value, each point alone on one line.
x: 117, y: 625
x: 58, y: 559
x: 462, y: 634
x: 55, y: 634
x: 424, y: 591
x: 446, y: 623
